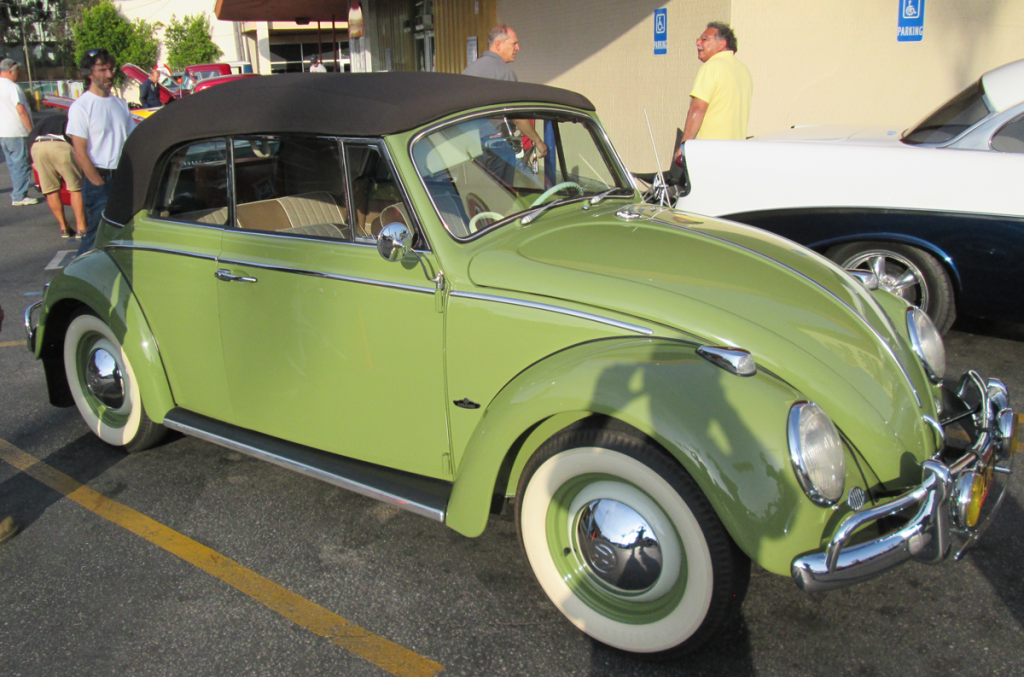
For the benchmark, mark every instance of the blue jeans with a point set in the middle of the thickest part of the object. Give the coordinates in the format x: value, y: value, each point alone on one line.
x: 95, y: 198
x: 18, y: 164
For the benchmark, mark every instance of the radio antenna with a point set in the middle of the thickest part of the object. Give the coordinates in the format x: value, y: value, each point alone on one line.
x: 660, y: 188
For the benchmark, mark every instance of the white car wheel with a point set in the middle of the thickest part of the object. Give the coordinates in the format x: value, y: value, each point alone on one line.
x: 614, y: 541
x: 103, y: 385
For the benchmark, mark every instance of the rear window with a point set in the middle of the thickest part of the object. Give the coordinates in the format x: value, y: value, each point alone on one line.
x: 952, y: 118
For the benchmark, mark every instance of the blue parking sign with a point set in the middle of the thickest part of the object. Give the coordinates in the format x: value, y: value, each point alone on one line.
x: 911, y: 23
x: 661, y: 31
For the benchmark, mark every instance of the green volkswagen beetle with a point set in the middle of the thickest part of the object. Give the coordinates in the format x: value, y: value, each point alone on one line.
x: 445, y: 293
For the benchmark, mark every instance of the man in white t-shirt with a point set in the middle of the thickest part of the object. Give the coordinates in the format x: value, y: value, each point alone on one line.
x: 15, y: 125
x: 98, y: 125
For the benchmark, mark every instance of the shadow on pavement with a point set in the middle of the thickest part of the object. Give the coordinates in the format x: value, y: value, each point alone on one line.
x: 84, y: 459
x: 1008, y: 331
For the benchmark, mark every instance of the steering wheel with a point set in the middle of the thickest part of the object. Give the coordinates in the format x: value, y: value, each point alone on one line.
x: 554, y: 189
x: 494, y: 216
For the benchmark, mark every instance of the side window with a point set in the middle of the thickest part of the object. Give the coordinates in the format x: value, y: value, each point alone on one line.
x: 293, y: 185
x: 1010, y: 139
x: 376, y: 198
x: 194, y: 186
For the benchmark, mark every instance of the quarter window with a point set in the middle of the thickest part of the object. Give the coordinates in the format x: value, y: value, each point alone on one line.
x: 291, y: 185
x: 195, y: 184
x: 376, y: 197
x: 1010, y: 139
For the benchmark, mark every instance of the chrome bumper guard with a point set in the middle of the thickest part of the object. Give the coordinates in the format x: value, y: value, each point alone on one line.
x: 945, y: 503
x: 30, y: 329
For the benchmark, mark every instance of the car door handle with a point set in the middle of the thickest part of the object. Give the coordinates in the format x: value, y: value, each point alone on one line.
x: 228, y: 276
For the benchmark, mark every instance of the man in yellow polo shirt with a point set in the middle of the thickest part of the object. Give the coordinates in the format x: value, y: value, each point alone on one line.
x: 721, y: 95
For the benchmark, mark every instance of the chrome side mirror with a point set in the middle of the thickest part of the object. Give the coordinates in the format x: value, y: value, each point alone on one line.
x: 394, y: 242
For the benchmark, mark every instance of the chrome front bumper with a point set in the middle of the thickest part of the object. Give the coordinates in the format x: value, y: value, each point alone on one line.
x: 30, y: 329
x: 938, y: 509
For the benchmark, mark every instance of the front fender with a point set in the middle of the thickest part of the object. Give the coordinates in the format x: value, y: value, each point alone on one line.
x: 94, y: 281
x: 727, y: 431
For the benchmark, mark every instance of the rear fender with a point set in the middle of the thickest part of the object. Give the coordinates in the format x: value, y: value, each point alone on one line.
x: 94, y: 281
x: 727, y: 431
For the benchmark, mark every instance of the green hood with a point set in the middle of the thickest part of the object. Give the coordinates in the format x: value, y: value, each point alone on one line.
x: 727, y: 284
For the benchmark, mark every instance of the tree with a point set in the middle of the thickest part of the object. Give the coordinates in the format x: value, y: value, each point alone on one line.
x: 189, y: 41
x: 103, y: 26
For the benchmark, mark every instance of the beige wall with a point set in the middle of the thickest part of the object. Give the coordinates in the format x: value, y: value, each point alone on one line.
x: 858, y: 72
x: 604, y: 49
x: 813, y: 61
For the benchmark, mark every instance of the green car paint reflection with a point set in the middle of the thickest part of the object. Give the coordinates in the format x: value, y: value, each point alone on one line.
x: 533, y: 335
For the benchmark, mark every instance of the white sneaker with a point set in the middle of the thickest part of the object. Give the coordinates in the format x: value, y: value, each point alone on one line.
x: 25, y: 201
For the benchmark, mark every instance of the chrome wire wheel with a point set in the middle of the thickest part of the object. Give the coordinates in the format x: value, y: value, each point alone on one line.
x: 625, y: 545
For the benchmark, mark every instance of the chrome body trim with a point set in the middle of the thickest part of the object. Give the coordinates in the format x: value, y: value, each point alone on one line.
x: 823, y: 288
x: 616, y: 160
x: 329, y: 276
x: 555, y: 309
x: 939, y: 504
x: 30, y: 330
x: 306, y: 469
x: 734, y: 360
x: 158, y: 250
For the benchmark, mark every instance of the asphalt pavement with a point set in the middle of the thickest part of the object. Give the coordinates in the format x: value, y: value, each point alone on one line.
x: 189, y: 559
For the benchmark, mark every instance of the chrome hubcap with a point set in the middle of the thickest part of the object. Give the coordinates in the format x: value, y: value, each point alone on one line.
x: 895, y: 274
x: 103, y: 379
x: 618, y: 546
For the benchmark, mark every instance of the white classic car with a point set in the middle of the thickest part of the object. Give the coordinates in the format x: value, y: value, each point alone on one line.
x: 936, y: 212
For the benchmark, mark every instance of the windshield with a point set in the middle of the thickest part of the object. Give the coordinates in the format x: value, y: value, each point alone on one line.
x: 482, y: 171
x: 952, y: 118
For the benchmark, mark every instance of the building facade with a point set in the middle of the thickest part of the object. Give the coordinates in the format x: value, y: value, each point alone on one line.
x: 813, y: 61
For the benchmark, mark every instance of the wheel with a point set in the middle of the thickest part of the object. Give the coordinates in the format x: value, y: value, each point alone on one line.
x: 625, y: 544
x: 905, y: 271
x: 554, y: 189
x: 103, y: 385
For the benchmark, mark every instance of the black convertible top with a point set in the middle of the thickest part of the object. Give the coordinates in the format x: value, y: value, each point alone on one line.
x: 351, y: 104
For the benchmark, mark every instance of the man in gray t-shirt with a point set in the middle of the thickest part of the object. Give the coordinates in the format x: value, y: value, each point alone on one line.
x: 502, y: 47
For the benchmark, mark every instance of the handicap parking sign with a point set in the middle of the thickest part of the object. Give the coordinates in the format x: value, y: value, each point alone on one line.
x: 911, y: 22
x: 661, y: 31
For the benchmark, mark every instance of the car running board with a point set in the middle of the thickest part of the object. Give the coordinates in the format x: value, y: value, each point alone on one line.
x: 424, y: 496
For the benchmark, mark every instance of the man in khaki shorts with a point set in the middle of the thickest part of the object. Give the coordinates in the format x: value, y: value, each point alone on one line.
x: 54, y: 159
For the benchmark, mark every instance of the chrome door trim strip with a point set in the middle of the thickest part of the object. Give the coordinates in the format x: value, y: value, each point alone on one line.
x: 159, y: 250
x: 307, y: 470
x: 555, y: 309
x: 881, y: 340
x: 329, y: 276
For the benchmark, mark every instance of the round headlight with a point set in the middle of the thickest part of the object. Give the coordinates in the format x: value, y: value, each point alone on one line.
x: 927, y: 343
x: 817, y: 453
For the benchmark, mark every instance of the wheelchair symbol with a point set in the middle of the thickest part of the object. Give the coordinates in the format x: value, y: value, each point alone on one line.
x: 661, y: 24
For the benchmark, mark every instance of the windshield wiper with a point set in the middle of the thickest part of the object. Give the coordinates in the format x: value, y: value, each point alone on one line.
x: 532, y: 216
x: 600, y: 196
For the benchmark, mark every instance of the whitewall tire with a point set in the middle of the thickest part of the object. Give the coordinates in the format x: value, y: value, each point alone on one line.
x: 625, y: 545
x: 104, y: 386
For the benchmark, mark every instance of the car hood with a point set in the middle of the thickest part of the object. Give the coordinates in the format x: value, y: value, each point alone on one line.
x: 847, y: 134
x: 802, y: 317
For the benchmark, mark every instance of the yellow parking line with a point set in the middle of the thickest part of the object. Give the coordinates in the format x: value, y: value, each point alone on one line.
x: 383, y: 653
x: 11, y: 344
